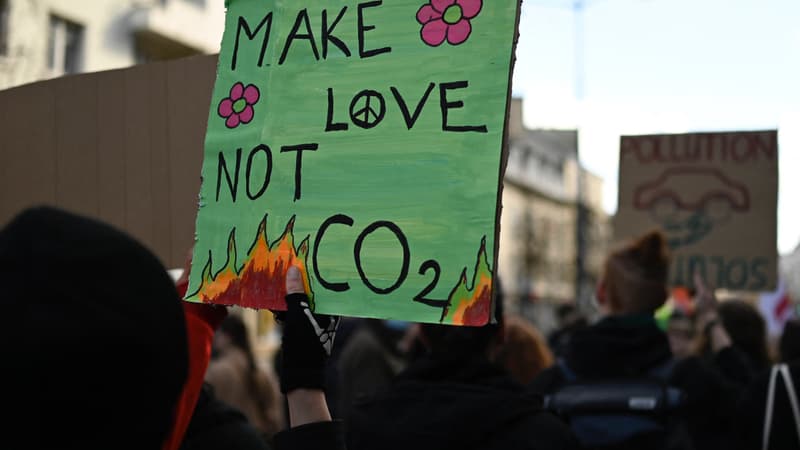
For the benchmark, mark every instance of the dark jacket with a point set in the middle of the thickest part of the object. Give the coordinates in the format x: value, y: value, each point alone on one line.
x: 216, y: 425
x: 368, y: 363
x: 312, y: 436
x: 750, y: 417
x: 631, y: 346
x: 456, y: 404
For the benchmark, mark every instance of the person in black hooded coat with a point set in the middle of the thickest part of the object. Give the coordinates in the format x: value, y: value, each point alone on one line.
x: 455, y: 398
x: 628, y: 343
x: 93, y: 346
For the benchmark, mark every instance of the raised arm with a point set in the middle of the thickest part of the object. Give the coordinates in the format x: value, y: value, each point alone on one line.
x: 306, y: 344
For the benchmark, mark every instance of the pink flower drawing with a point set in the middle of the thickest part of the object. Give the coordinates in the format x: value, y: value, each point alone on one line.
x: 238, y: 107
x: 447, y: 19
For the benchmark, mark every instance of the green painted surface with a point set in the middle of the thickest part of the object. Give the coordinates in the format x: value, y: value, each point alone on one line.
x: 438, y: 187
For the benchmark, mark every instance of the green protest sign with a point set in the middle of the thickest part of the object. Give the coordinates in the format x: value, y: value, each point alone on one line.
x: 362, y: 142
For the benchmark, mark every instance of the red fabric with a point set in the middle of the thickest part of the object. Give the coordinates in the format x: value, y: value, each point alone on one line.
x: 201, y: 322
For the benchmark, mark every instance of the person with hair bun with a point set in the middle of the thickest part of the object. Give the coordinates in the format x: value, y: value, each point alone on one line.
x: 626, y: 344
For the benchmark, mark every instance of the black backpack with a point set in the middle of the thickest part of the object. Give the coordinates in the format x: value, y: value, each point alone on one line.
x: 623, y: 413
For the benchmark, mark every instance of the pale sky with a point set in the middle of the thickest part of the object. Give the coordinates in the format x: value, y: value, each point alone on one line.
x: 653, y: 66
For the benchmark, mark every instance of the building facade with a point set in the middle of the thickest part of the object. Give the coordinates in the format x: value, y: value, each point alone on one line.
x: 41, y: 39
x: 554, y: 232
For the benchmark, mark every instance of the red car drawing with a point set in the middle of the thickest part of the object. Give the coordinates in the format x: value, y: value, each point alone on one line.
x: 692, y: 189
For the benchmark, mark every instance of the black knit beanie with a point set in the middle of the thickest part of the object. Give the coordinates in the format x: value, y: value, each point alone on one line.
x: 93, y: 349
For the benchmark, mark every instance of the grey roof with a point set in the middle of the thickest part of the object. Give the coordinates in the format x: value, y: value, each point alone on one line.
x: 562, y: 144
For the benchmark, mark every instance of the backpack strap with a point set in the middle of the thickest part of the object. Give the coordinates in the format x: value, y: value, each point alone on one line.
x: 787, y: 380
x: 569, y: 374
x: 783, y: 370
x: 569, y: 377
x: 673, y: 397
x: 773, y: 375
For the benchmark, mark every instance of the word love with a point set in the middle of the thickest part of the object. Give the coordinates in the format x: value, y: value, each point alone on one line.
x: 368, y: 108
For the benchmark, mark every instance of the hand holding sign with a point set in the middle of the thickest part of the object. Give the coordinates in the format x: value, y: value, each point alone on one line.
x: 705, y: 298
x: 708, y: 321
x: 307, y: 339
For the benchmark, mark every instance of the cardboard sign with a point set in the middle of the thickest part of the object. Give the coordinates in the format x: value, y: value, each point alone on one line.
x: 362, y: 142
x: 122, y: 146
x: 715, y: 197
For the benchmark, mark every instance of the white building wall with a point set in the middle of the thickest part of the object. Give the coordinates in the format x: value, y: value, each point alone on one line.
x: 515, y: 204
x: 196, y: 23
x: 109, y: 32
x: 790, y: 271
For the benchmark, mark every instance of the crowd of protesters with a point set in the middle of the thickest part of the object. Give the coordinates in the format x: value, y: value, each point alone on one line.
x: 99, y: 351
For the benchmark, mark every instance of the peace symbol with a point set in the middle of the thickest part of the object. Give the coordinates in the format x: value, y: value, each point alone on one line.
x: 362, y: 113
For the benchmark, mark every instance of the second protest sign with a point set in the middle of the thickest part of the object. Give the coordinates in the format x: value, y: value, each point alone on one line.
x: 715, y: 197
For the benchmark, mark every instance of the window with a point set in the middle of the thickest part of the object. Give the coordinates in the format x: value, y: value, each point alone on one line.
x: 140, y: 53
x: 65, y: 46
x: 4, y: 13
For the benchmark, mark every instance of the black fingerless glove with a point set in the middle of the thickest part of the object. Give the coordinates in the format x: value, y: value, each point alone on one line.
x: 306, y: 344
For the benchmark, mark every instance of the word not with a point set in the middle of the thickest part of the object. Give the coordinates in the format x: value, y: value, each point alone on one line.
x: 702, y: 147
x: 259, y: 151
x: 302, y: 31
x: 368, y: 108
x: 341, y: 286
x: 731, y: 273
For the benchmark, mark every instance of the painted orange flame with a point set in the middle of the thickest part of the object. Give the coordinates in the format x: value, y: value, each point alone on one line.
x: 472, y: 305
x: 260, y: 282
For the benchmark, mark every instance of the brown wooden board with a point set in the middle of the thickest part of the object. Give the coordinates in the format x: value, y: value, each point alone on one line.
x: 124, y: 146
x: 188, y: 98
x: 136, y: 140
x: 28, y: 148
x: 76, y: 144
x: 159, y: 159
x: 110, y: 147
